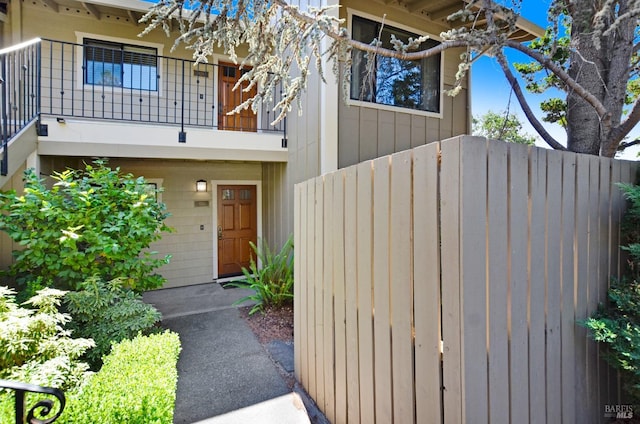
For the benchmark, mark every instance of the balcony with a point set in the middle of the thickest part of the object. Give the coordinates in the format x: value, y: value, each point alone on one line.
x: 100, y: 98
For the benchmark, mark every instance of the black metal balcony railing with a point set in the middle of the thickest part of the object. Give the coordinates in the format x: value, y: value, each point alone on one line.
x: 47, y: 77
x: 44, y: 408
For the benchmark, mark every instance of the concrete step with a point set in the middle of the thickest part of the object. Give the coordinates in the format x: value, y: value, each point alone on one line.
x: 287, y: 409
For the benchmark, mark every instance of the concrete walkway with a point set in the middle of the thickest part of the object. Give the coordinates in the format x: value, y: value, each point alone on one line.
x: 222, y: 368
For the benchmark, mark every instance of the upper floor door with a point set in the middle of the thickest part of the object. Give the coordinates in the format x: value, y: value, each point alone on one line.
x: 228, y: 99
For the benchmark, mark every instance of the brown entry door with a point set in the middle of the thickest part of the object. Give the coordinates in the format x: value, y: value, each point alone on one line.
x: 228, y: 99
x: 237, y: 226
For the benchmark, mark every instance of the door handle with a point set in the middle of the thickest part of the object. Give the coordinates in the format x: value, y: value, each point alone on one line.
x: 219, y: 232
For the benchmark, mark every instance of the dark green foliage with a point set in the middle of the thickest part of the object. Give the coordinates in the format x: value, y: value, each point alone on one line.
x: 273, y: 282
x: 108, y: 313
x: 95, y: 221
x: 617, y: 324
x: 501, y: 126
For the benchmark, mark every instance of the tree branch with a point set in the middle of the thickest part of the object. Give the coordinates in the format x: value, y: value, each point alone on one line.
x: 525, y: 105
x: 617, y: 134
x: 563, y: 76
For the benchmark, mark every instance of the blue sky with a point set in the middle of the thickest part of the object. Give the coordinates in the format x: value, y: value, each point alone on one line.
x: 490, y: 90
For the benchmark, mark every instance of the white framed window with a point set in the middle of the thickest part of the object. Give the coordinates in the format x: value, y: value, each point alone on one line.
x: 394, y: 83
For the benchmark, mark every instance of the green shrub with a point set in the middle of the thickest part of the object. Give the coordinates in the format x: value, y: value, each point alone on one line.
x: 273, y: 282
x: 95, y: 221
x: 107, y: 312
x: 136, y: 385
x: 617, y: 325
x: 34, y: 345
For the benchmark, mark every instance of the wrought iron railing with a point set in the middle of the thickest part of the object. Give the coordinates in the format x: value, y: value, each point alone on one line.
x: 98, y: 81
x: 90, y: 81
x: 19, y: 92
x: 43, y: 411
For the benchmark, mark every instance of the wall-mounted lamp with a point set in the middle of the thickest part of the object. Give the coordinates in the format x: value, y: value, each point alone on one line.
x: 60, y: 120
x: 201, y: 186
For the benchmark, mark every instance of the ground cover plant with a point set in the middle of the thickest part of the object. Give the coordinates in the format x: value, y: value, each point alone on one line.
x: 616, y: 325
x: 92, y: 222
x: 272, y: 282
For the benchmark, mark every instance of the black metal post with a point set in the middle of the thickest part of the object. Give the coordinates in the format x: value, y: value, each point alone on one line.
x: 5, y: 121
x: 182, y: 136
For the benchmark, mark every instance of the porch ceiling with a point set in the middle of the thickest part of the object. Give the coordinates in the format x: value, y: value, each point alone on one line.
x: 439, y: 10
x: 132, y: 10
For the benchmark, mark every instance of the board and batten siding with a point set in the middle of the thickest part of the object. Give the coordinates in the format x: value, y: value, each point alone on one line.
x: 446, y: 283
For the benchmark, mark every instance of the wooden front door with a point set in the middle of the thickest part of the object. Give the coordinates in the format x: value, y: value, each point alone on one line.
x: 237, y: 226
x: 228, y: 99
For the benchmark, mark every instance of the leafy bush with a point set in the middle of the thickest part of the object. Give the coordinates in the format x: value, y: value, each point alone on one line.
x: 96, y: 221
x: 34, y: 346
x: 136, y: 385
x: 273, y: 282
x: 108, y: 313
x: 617, y: 325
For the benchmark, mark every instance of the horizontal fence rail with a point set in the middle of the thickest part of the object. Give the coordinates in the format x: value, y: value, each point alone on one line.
x: 89, y: 81
x: 446, y: 284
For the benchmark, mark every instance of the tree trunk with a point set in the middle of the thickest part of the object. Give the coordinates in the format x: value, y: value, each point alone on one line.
x: 584, y: 131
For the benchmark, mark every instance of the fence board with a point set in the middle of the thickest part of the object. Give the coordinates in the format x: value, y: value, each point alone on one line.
x: 497, y: 273
x: 604, y: 271
x: 426, y: 272
x: 581, y: 258
x: 473, y: 277
x: 365, y: 291
x: 319, y: 295
x: 309, y: 330
x: 327, y: 312
x: 351, y: 295
x: 401, y: 290
x: 315, y: 238
x: 299, y: 287
x: 537, y: 183
x: 518, y: 250
x: 593, y: 381
x: 450, y: 259
x: 569, y: 402
x: 553, y: 300
x: 381, y: 322
x: 340, y: 330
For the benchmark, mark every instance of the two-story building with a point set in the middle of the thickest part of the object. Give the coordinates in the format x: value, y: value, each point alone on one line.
x: 78, y: 82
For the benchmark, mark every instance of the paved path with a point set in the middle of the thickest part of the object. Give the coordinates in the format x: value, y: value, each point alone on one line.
x: 222, y: 366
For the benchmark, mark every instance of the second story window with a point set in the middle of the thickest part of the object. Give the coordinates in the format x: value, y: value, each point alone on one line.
x: 120, y: 65
x: 394, y: 82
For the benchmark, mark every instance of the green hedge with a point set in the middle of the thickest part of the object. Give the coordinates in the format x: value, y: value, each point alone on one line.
x: 136, y: 384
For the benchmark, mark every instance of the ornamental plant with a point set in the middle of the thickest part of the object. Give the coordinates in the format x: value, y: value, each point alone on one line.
x: 35, y: 346
x: 108, y: 313
x: 272, y: 283
x: 92, y: 222
x: 616, y: 325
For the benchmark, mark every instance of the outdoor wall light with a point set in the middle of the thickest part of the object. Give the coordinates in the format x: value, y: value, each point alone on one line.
x: 60, y: 120
x: 201, y: 186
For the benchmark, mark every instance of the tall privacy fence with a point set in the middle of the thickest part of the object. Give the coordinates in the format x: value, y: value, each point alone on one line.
x: 445, y: 284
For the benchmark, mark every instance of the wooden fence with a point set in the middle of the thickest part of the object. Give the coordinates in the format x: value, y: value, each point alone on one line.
x: 445, y: 284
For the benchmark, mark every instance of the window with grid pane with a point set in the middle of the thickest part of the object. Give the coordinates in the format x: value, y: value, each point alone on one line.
x: 394, y: 82
x: 120, y: 65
